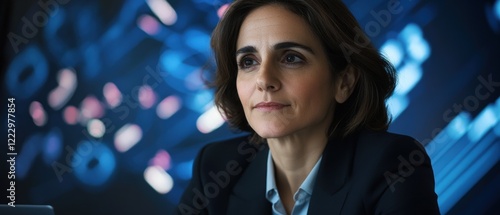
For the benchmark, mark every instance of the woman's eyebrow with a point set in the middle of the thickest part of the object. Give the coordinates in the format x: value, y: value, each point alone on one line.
x: 246, y: 49
x: 278, y: 46
x: 286, y: 45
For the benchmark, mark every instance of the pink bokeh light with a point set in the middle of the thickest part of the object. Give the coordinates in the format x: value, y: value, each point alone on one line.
x: 91, y: 108
x: 222, y: 10
x: 70, y: 115
x: 147, y: 97
x: 161, y: 159
x: 168, y: 107
x: 148, y: 24
x: 112, y: 95
x: 38, y: 113
x: 67, y: 83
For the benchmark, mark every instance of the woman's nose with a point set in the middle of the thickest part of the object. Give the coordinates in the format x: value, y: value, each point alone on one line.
x: 267, y: 78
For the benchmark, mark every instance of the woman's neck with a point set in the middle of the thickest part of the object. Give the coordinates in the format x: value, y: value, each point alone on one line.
x: 293, y: 159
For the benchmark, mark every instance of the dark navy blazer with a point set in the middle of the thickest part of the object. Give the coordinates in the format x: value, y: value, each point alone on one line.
x: 366, y: 173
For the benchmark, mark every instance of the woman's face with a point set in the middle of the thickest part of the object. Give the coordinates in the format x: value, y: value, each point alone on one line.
x: 284, y: 81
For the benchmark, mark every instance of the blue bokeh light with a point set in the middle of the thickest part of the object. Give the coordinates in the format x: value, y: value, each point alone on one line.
x: 27, y: 73
x: 93, y: 163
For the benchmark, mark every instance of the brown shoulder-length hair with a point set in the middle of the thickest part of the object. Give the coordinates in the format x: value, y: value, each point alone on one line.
x: 345, y: 45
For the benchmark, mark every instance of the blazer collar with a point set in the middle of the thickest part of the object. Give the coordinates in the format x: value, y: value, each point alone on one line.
x: 249, y: 194
x: 331, y: 187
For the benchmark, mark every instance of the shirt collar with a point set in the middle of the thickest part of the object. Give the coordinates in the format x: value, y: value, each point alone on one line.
x: 271, y: 188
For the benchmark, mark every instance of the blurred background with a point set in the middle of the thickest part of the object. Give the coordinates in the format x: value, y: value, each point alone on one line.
x: 111, y: 106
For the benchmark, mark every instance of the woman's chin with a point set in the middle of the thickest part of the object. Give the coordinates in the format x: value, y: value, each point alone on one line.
x: 266, y: 134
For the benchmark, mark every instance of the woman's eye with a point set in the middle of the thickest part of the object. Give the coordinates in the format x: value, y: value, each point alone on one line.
x: 292, y: 59
x: 247, y: 62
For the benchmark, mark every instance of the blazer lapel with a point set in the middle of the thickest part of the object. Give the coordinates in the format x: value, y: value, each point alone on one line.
x: 331, y: 187
x: 249, y: 193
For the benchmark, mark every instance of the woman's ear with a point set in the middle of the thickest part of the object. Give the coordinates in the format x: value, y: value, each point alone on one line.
x: 345, y: 83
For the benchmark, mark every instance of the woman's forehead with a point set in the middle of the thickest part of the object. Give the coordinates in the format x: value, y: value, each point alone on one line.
x: 271, y: 24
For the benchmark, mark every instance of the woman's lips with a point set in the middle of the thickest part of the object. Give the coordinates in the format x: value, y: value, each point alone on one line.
x: 269, y: 106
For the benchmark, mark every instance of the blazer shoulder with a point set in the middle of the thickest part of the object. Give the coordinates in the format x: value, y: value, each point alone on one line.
x: 227, y: 144
x: 218, y: 154
x: 387, y: 142
x: 216, y: 169
x: 380, y: 151
x: 393, y: 174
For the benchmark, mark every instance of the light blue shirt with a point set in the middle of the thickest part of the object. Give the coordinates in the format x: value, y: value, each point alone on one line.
x: 302, y: 197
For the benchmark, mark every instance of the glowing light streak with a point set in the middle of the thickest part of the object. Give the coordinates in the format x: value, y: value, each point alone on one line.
x: 473, y: 173
x: 397, y: 104
x: 407, y: 52
x: 408, y: 76
x: 394, y: 51
x: 460, y: 161
x: 450, y: 134
x: 419, y: 49
x: 471, y: 149
x: 483, y: 122
x: 59, y: 96
x: 127, y: 136
x: 163, y: 10
x: 209, y: 121
x: 158, y: 179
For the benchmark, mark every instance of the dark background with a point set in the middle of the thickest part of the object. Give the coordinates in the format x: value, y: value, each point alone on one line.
x: 71, y: 146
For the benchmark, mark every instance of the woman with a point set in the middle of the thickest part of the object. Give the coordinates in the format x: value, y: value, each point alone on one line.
x: 297, y: 76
